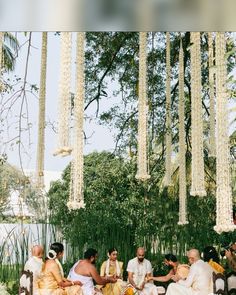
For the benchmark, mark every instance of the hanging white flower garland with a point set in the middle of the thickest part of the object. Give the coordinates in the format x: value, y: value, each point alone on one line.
x: 76, y: 199
x: 142, y: 164
x: 167, y: 177
x: 41, y: 116
x: 198, y: 182
x: 182, y: 160
x: 63, y: 146
x: 1, y: 59
x: 224, y: 211
x: 212, y: 147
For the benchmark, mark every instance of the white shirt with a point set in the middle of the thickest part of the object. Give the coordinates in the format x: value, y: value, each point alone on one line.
x: 139, y: 270
x: 199, y: 278
x: 34, y: 264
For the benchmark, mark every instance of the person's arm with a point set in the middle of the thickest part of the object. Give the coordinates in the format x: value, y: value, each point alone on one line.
x: 121, y: 269
x: 100, y: 280
x: 58, y: 277
x: 131, y: 280
x: 165, y: 278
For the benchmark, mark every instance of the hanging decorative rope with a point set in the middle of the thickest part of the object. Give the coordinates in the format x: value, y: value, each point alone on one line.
x: 1, y: 59
x: 63, y: 147
x: 182, y: 161
x: 76, y: 198
x: 224, y: 212
x: 198, y: 183
x: 41, y: 120
x: 167, y: 178
x: 142, y: 172
x: 212, y: 151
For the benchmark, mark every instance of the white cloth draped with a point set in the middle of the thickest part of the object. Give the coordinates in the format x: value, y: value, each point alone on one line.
x: 198, y: 282
x: 140, y: 270
x: 35, y: 265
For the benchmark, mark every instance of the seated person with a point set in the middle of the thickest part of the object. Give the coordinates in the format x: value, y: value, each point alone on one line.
x: 198, y: 281
x: 139, y: 269
x: 231, y: 257
x: 52, y: 281
x: 85, y: 271
x: 112, y: 268
x: 211, y: 256
x: 177, y: 269
x: 35, y: 264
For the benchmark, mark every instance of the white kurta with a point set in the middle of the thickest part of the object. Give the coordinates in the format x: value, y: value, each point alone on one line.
x: 198, y: 282
x: 140, y: 270
x: 34, y: 264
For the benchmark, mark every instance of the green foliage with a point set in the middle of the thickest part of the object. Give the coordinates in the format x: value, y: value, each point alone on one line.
x: 122, y: 212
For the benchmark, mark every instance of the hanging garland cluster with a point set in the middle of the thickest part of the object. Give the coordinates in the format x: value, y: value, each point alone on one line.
x: 224, y: 212
x: 41, y: 121
x: 76, y: 198
x: 182, y: 161
x: 212, y: 148
x: 63, y: 146
x: 142, y: 172
x: 167, y: 178
x: 198, y: 182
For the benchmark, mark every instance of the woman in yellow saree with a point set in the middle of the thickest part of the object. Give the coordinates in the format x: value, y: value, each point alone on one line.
x: 112, y: 267
x: 52, y: 281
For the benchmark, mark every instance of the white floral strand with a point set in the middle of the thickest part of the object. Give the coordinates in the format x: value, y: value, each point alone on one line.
x: 182, y: 160
x: 167, y: 177
x: 1, y: 59
x: 224, y: 205
x: 41, y: 116
x: 142, y: 172
x: 76, y: 199
x: 64, y: 147
x: 198, y: 182
x: 212, y: 148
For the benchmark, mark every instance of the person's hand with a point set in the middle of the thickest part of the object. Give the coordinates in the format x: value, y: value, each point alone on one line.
x: 142, y: 286
x: 149, y: 278
x: 77, y: 283
x: 175, y: 278
x: 112, y: 279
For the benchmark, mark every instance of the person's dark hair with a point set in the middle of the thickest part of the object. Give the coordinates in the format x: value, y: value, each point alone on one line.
x: 171, y: 257
x: 90, y: 253
x: 57, y: 247
x: 209, y: 253
x: 112, y: 250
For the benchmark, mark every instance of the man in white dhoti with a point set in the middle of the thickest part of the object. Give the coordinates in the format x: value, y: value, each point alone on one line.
x: 138, y: 270
x: 85, y: 272
x: 35, y: 264
x: 198, y: 281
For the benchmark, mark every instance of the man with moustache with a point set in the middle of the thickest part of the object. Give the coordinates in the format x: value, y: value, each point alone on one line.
x: 84, y: 271
x: 139, y: 269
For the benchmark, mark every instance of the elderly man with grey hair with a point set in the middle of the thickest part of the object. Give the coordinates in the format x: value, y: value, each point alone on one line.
x: 198, y: 281
x: 35, y: 264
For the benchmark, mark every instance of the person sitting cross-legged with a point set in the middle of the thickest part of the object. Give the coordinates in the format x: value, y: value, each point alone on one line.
x: 176, y: 268
x: 84, y: 270
x: 139, y: 269
x: 112, y: 268
x: 52, y: 280
x: 198, y: 281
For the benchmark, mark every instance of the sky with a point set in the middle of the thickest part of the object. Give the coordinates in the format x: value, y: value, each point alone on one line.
x: 100, y: 137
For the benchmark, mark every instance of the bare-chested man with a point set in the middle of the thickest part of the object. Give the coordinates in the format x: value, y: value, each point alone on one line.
x: 85, y: 272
